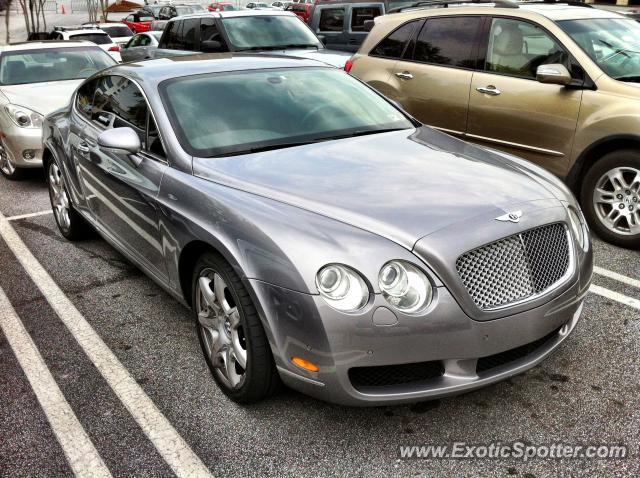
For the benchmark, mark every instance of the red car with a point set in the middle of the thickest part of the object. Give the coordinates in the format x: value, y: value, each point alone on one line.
x: 138, y: 22
x: 221, y: 6
x: 302, y: 10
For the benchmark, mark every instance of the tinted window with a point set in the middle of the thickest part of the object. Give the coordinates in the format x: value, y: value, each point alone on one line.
x: 144, y: 40
x: 518, y: 48
x: 361, y: 14
x: 448, y: 41
x: 268, y: 31
x: 154, y: 142
x: 84, y: 98
x: 172, y: 36
x: 97, y: 38
x: 394, y: 44
x: 331, y: 19
x: 209, y: 31
x: 189, y: 35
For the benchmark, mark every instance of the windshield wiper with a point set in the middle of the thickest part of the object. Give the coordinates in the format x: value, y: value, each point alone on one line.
x: 364, y: 132
x: 298, y: 45
x: 631, y: 78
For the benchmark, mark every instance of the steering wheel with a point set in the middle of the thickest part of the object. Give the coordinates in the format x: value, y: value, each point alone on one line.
x: 314, y: 111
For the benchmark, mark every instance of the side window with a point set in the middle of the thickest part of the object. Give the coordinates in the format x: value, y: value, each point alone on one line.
x: 519, y: 48
x: 189, y: 33
x: 361, y: 14
x: 331, y: 19
x: 120, y: 104
x: 394, y: 44
x: 143, y: 40
x: 448, y: 41
x: 209, y: 32
x: 84, y: 98
x: 135, y: 41
x: 129, y: 19
x: 174, y: 36
x: 154, y: 144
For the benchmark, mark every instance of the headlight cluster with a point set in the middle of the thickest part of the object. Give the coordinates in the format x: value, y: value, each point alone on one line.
x: 403, y: 286
x: 24, y: 117
x: 578, y: 226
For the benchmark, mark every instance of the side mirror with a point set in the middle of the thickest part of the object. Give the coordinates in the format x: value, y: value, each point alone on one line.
x: 368, y: 25
x: 211, y: 46
x: 120, y: 141
x: 554, y: 74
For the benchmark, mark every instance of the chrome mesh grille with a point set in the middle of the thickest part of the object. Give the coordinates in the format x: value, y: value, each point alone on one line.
x: 516, y: 267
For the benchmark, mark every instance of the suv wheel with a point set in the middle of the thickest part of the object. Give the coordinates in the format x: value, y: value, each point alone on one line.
x: 610, y: 198
x: 233, y: 341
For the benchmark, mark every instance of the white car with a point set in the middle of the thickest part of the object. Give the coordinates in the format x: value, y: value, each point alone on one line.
x: 37, y: 78
x: 120, y: 33
x: 94, y: 35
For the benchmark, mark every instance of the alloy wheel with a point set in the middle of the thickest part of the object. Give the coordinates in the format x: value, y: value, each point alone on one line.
x: 616, y: 200
x: 59, y: 197
x: 221, y: 328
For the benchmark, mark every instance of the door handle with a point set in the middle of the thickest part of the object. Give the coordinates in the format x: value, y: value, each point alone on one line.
x: 404, y: 75
x: 489, y: 90
x: 83, y: 147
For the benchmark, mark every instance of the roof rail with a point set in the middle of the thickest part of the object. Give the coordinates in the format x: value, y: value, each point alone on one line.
x: 572, y: 3
x: 446, y: 3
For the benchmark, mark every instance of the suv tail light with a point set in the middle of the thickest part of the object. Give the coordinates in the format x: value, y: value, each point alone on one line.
x: 114, y: 48
x: 348, y: 65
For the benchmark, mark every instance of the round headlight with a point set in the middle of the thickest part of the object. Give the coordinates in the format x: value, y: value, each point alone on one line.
x: 342, y: 287
x: 22, y: 118
x: 576, y: 227
x: 405, y: 286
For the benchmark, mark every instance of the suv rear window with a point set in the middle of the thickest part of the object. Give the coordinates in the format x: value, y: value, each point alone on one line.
x: 331, y: 19
x: 448, y: 41
x: 361, y: 14
x: 394, y: 44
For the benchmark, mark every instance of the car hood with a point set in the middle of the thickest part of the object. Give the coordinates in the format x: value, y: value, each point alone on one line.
x: 330, y: 57
x: 43, y: 98
x: 399, y: 185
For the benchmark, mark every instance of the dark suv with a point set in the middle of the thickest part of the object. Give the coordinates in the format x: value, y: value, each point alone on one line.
x: 270, y: 31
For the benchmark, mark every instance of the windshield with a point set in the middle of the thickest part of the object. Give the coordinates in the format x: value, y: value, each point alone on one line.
x: 39, y: 66
x: 263, y: 32
x: 97, y: 38
x: 613, y: 43
x: 270, y: 109
x: 117, y: 32
x: 184, y: 10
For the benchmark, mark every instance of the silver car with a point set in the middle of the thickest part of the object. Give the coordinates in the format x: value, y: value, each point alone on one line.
x: 321, y: 236
x: 37, y: 78
x: 141, y: 46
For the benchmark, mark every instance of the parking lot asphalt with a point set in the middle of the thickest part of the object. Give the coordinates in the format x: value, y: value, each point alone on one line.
x: 586, y: 393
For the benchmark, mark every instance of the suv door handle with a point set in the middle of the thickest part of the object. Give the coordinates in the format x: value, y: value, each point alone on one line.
x: 404, y: 75
x: 83, y: 147
x: 489, y: 90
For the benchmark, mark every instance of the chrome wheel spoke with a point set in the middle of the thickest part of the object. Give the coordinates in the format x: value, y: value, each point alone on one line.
x: 208, y: 295
x: 616, y: 179
x: 205, y: 320
x: 230, y: 368
x: 219, y: 287
x: 603, y: 196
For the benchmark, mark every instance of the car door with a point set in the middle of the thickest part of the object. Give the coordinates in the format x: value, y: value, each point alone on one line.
x: 123, y: 189
x: 433, y: 78
x: 131, y: 49
x: 328, y: 22
x: 510, y: 110
x: 355, y: 26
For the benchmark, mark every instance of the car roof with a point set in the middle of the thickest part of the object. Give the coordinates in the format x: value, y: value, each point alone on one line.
x: 155, y: 71
x: 45, y: 44
x: 234, y: 13
x: 554, y: 12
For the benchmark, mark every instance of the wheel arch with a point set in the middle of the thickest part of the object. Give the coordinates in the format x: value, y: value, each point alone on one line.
x: 595, y: 151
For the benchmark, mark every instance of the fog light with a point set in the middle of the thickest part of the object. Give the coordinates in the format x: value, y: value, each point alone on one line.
x: 304, y: 364
x: 28, y: 154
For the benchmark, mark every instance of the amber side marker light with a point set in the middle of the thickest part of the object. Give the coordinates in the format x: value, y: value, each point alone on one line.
x: 304, y: 364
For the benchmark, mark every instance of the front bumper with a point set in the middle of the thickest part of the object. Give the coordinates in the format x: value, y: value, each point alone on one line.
x: 16, y: 141
x: 302, y: 325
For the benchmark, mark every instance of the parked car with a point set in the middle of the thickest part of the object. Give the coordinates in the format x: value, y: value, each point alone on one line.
x: 257, y: 6
x: 37, y: 78
x: 171, y: 11
x: 367, y: 289
x: 120, y: 33
x: 151, y: 10
x: 557, y: 84
x: 141, y: 46
x: 342, y: 24
x: 275, y: 32
x: 91, y: 34
x: 138, y: 22
x: 301, y: 10
x: 278, y: 4
x: 221, y: 6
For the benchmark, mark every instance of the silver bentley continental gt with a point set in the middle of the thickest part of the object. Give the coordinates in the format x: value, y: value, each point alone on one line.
x: 322, y: 237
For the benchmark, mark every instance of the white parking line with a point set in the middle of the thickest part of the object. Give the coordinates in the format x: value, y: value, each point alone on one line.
x: 615, y: 276
x: 82, y: 456
x: 171, y: 446
x: 31, y: 214
x: 610, y: 294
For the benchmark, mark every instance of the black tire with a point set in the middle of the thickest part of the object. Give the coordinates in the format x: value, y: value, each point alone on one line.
x: 616, y: 159
x: 261, y: 376
x: 78, y: 228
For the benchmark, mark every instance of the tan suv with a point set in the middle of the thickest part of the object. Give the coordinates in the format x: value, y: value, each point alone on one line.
x: 558, y: 84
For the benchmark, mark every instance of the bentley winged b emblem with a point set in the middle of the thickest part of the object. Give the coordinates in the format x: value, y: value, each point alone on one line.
x: 510, y: 216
